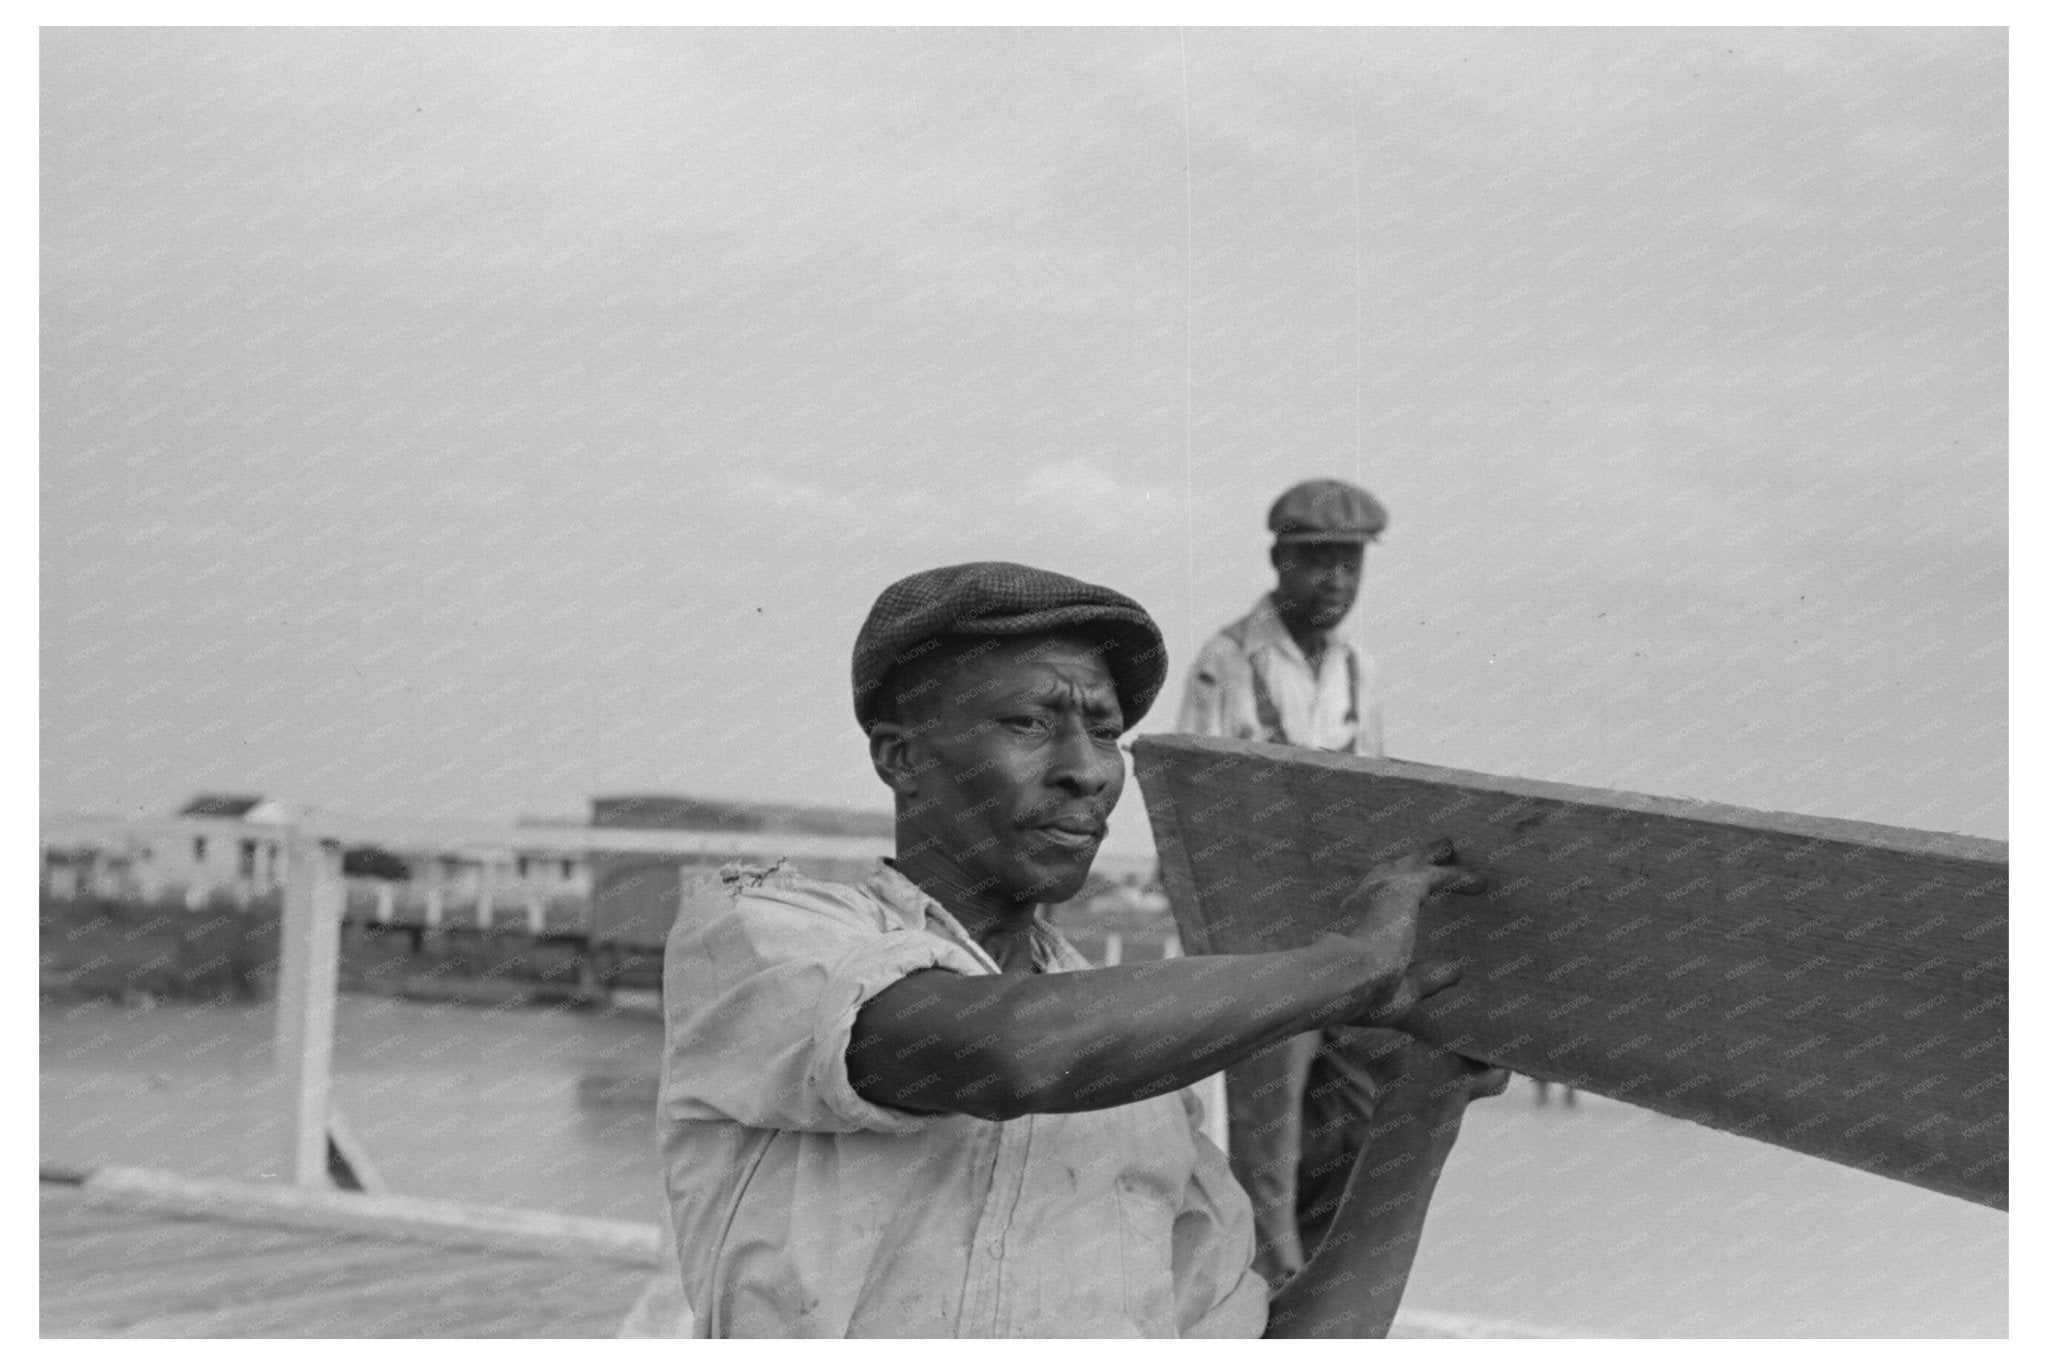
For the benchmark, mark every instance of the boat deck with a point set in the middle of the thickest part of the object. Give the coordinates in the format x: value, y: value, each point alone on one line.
x: 113, y: 1272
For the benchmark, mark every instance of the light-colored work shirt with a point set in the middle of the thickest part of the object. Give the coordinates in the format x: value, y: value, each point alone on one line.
x: 1251, y: 681
x: 803, y: 1210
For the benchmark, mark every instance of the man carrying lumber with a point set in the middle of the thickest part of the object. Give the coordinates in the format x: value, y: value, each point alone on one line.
x: 908, y: 1108
x: 1300, y: 1110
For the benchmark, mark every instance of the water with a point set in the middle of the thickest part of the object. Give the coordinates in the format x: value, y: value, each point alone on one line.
x: 1596, y: 1219
x: 451, y: 1101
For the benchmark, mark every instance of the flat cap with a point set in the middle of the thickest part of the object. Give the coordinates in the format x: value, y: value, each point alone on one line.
x: 993, y: 598
x: 1326, y: 510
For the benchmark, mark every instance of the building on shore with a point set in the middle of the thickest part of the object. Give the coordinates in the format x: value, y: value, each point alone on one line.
x: 234, y: 847
x: 243, y: 863
x: 634, y: 896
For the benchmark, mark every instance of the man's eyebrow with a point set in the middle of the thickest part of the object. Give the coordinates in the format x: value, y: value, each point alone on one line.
x: 1095, y: 697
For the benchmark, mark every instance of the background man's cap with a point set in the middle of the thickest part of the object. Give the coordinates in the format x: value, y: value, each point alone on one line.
x: 1326, y: 510
x: 994, y: 598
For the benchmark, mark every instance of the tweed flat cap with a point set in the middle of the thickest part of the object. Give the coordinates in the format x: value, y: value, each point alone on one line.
x: 1326, y: 510
x: 994, y: 598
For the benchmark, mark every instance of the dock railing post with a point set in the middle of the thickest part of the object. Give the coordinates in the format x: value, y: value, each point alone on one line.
x: 308, y: 966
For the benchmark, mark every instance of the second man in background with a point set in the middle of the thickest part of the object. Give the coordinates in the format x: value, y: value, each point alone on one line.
x: 1280, y: 674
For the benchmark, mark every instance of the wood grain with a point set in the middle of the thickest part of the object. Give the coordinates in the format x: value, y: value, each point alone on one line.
x: 128, y: 1271
x: 1830, y: 986
x: 388, y: 1217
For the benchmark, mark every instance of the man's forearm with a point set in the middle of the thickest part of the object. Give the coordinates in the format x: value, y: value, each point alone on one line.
x: 1195, y: 1017
x: 1352, y: 1284
x: 1072, y: 1041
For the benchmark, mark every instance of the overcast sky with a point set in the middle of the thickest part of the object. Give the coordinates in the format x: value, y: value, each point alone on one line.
x: 464, y: 423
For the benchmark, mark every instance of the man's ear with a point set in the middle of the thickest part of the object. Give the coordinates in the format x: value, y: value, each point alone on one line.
x: 890, y: 745
x: 1273, y: 555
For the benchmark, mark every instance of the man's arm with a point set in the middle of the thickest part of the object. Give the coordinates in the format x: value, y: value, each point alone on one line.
x: 1352, y: 1285
x: 999, y: 1047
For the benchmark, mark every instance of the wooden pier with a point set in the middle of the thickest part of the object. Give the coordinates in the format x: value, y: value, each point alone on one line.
x: 171, y: 1258
x: 146, y: 1254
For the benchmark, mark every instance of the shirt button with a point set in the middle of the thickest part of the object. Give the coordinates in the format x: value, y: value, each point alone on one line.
x: 995, y: 1249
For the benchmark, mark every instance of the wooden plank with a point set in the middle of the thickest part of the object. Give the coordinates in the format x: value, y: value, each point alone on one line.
x: 1834, y: 987
x: 128, y: 1292
x: 200, y: 1246
x: 470, y: 1295
x: 388, y: 1216
x: 588, y: 1305
x: 116, y: 1293
x: 344, y: 1301
x: 185, y: 1277
x: 71, y: 1215
x: 151, y: 1240
x: 530, y: 1299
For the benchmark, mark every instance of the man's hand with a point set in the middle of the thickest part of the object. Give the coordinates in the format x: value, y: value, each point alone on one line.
x: 1381, y: 913
x: 1383, y: 908
x: 1414, y: 1074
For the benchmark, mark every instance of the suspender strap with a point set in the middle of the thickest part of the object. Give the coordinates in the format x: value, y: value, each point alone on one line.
x: 1262, y: 700
x: 1266, y: 711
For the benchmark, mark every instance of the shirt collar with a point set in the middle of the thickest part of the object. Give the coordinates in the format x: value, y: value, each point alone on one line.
x: 902, y: 895
x: 1264, y: 631
x: 909, y: 903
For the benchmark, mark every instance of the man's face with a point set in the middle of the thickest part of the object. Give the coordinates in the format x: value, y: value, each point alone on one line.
x: 1020, y: 767
x: 1318, y: 582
